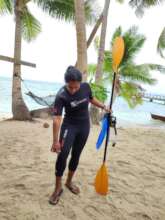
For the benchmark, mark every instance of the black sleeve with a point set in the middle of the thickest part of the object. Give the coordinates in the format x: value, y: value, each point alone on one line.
x: 90, y: 92
x: 58, y: 106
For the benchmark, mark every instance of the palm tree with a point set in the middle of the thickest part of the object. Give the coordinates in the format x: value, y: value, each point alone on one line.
x: 81, y: 38
x: 102, y: 42
x: 28, y: 27
x: 93, y: 110
x: 131, y: 75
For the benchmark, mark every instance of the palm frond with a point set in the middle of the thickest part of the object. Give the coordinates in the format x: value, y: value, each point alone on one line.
x: 141, y: 5
x: 133, y: 44
x: 130, y: 92
x: 64, y: 10
x: 107, y: 64
x: 60, y: 9
x: 6, y: 7
x: 155, y: 67
x: 99, y: 91
x: 161, y: 43
x: 117, y: 33
x: 137, y: 73
x: 31, y: 27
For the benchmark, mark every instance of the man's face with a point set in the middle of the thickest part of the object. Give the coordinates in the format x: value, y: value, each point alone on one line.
x: 73, y: 86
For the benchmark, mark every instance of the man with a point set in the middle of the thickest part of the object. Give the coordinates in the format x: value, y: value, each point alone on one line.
x: 74, y: 97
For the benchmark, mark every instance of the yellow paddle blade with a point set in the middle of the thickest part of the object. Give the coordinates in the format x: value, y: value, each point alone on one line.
x: 117, y: 52
x: 101, y: 181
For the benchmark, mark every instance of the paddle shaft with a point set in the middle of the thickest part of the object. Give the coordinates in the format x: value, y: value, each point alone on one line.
x: 109, y: 117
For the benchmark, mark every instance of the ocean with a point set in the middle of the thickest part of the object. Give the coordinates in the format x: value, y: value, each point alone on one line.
x: 139, y: 115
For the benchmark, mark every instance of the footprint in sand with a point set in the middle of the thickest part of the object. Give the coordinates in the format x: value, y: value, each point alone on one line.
x: 141, y: 216
x: 121, y: 163
x: 20, y: 186
x: 92, y: 212
x: 69, y: 213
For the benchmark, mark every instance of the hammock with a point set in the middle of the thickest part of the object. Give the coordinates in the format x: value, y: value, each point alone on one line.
x: 45, y: 101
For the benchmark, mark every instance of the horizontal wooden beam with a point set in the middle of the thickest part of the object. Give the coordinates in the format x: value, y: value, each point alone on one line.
x: 9, y: 59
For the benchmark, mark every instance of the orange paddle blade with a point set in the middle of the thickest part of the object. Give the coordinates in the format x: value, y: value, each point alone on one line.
x: 117, y: 52
x: 101, y: 181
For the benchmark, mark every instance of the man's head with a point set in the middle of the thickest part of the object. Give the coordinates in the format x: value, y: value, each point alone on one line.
x: 73, y: 78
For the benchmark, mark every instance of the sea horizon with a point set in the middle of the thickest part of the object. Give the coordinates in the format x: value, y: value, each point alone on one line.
x: 139, y: 115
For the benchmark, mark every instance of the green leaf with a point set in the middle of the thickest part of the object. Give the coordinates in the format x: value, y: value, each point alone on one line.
x: 6, y: 7
x: 130, y: 93
x: 31, y: 27
x: 64, y: 10
x: 99, y: 92
x: 131, y: 74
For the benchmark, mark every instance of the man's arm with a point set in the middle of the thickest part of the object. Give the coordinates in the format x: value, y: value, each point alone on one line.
x: 56, y: 128
x: 97, y: 103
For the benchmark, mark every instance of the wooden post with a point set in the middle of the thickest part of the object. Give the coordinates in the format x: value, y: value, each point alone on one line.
x: 9, y: 59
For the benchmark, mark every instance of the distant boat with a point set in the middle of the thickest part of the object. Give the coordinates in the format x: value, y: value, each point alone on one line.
x: 158, y: 117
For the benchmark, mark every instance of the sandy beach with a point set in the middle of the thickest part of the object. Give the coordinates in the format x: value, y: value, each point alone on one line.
x: 136, y: 168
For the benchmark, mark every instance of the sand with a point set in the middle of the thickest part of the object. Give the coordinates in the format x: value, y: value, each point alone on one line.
x: 136, y: 168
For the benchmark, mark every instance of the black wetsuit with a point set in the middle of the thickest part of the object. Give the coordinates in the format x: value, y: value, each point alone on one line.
x: 75, y: 126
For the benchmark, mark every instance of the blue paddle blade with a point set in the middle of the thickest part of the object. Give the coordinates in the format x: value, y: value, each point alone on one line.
x: 102, y: 133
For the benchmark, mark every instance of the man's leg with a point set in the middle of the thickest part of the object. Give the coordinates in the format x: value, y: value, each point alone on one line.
x: 67, y: 137
x: 78, y: 145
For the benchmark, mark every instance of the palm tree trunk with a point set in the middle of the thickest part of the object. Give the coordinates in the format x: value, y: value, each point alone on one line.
x: 19, y: 108
x: 102, y: 42
x: 81, y: 38
x: 117, y: 87
x: 97, y: 25
x: 95, y: 112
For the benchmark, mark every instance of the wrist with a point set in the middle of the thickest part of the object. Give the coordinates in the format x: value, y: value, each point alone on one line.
x: 55, y: 141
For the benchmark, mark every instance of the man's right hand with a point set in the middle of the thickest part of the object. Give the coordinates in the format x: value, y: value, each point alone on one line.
x: 56, y: 147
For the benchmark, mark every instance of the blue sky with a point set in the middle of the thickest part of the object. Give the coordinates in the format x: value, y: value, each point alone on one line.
x: 55, y: 47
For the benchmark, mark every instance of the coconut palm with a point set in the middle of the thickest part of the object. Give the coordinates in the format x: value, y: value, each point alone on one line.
x: 28, y: 27
x: 131, y: 75
x: 102, y: 41
x: 81, y: 38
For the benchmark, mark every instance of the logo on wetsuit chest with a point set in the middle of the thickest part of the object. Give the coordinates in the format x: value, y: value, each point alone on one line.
x: 76, y: 103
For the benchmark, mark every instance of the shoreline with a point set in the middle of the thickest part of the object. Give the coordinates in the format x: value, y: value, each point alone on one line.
x: 120, y: 122
x: 4, y: 116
